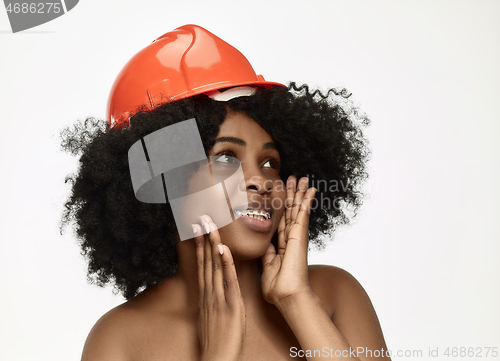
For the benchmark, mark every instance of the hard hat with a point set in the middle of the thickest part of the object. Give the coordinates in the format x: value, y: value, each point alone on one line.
x: 185, y: 62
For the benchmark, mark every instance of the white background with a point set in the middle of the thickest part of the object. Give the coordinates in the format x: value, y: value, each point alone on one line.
x: 426, y: 243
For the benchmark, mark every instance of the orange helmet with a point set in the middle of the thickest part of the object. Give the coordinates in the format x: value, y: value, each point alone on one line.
x: 185, y: 62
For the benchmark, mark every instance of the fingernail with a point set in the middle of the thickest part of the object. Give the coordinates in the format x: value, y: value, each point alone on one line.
x: 207, y: 228
x: 196, y: 229
x: 221, y: 249
x: 205, y: 219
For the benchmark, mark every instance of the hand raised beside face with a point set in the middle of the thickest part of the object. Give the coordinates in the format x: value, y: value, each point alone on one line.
x: 285, y: 273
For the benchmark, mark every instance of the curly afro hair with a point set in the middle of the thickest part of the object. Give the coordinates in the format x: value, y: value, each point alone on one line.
x: 133, y: 244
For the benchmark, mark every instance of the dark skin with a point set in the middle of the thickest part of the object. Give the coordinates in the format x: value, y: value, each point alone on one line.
x: 221, y: 307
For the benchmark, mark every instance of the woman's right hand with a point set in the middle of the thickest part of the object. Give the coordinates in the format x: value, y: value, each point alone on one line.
x: 221, y: 322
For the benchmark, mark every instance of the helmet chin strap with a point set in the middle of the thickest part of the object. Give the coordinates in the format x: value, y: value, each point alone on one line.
x: 236, y: 92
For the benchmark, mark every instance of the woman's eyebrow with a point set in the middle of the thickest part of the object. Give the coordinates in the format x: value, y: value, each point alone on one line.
x: 238, y: 141
x: 231, y: 140
x: 269, y: 145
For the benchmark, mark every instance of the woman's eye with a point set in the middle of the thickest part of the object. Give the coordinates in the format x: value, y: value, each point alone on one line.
x: 272, y: 163
x: 225, y: 158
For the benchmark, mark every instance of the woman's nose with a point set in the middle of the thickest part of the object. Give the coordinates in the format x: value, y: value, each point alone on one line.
x: 255, y: 181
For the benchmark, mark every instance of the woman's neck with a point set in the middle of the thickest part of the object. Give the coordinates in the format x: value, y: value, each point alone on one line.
x: 249, y: 272
x: 180, y: 292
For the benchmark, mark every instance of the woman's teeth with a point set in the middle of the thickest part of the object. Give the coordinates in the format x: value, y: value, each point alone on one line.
x: 260, y: 215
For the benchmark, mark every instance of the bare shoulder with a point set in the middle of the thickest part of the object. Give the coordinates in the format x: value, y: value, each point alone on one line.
x: 109, y: 338
x: 320, y: 273
x: 339, y: 291
x: 335, y: 286
x: 348, y: 305
x: 140, y: 330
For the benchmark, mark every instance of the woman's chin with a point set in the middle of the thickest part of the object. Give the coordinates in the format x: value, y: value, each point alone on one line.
x: 245, y: 244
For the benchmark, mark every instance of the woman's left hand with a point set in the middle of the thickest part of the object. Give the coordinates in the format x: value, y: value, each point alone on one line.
x: 285, y: 274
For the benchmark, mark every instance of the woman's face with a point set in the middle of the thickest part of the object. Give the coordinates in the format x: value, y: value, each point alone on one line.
x: 241, y: 137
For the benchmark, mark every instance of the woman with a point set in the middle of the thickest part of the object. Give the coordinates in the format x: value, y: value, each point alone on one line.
x: 235, y: 291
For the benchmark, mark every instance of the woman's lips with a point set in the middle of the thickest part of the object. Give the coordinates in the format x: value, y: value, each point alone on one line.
x: 256, y: 224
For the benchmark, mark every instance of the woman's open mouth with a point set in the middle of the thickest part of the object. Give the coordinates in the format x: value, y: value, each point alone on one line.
x: 254, y: 213
x: 255, y: 219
